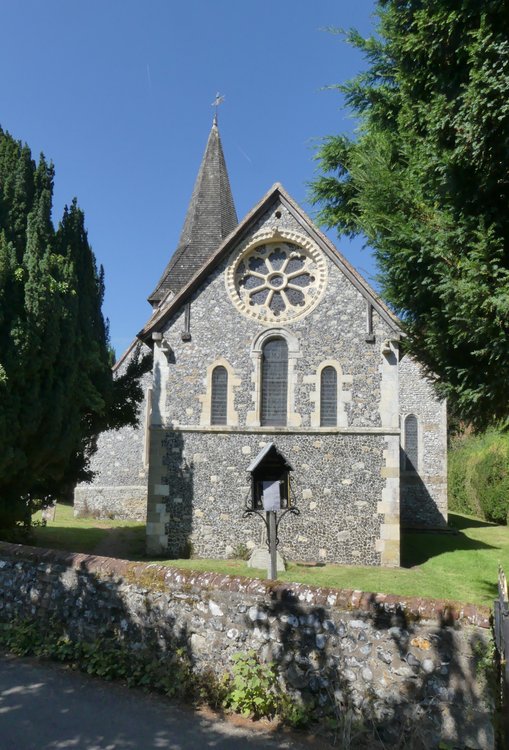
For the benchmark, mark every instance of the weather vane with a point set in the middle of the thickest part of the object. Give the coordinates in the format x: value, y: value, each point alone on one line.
x: 217, y: 101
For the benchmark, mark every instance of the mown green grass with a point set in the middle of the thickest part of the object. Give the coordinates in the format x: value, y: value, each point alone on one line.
x: 459, y: 566
x: 85, y: 535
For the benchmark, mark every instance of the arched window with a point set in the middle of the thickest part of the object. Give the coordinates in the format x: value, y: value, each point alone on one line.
x: 328, y: 397
x: 274, y: 382
x: 219, y: 397
x: 411, y: 443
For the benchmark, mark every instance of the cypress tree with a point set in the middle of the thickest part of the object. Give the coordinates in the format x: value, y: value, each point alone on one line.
x: 57, y: 392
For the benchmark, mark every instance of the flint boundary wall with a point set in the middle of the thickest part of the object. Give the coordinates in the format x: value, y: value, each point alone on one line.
x: 417, y: 662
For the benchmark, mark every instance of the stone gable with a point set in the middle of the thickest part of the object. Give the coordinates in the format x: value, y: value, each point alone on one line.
x: 363, y: 430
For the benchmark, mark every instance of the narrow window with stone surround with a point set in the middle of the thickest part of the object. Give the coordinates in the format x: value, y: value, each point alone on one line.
x: 274, y: 396
x: 218, y: 400
x: 292, y: 418
x: 219, y: 396
x: 330, y: 392
x: 411, y: 457
x: 328, y: 397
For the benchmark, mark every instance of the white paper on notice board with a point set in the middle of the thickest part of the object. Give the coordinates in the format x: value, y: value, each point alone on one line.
x: 271, y: 495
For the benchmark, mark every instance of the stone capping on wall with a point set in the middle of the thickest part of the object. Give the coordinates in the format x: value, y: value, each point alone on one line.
x: 446, y: 613
x: 252, y: 429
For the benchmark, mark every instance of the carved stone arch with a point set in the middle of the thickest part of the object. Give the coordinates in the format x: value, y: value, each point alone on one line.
x: 253, y: 418
x: 232, y: 417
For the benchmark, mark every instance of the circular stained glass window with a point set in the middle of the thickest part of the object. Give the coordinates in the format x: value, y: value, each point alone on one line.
x: 277, y: 281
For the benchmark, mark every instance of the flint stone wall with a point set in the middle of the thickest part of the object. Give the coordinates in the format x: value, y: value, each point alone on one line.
x: 336, y: 483
x: 391, y: 661
x: 350, y: 509
x: 335, y: 329
x: 119, y: 485
x: 423, y: 492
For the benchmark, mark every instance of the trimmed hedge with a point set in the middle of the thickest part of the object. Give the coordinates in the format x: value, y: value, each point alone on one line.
x: 479, y: 476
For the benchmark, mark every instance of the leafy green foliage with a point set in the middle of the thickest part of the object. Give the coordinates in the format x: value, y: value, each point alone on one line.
x: 297, y: 713
x: 110, y: 659
x: 492, y: 485
x: 254, y: 690
x: 241, y: 552
x: 254, y: 687
x: 479, y: 476
x: 485, y: 659
x: 426, y: 183
x: 460, y: 464
x: 57, y: 392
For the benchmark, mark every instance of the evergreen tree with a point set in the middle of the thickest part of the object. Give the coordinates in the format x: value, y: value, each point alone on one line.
x: 426, y: 182
x: 57, y: 392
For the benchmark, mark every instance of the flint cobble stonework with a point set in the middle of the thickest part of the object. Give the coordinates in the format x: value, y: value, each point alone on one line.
x: 119, y: 466
x: 391, y: 662
x: 424, y: 492
x: 198, y: 485
x: 346, y: 481
x: 219, y: 330
x: 334, y: 484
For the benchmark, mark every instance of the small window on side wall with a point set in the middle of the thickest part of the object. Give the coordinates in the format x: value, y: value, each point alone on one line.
x: 411, y: 446
x: 328, y: 397
x: 219, y: 396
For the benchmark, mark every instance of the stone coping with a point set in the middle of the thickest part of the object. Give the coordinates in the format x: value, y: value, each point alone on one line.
x: 151, y: 575
x: 268, y: 430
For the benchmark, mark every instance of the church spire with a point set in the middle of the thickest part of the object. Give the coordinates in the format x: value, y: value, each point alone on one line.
x: 210, y: 217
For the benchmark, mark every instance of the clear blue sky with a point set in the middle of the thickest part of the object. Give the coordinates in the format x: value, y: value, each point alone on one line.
x: 117, y: 94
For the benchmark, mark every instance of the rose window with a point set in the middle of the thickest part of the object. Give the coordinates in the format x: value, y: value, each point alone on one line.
x: 277, y: 281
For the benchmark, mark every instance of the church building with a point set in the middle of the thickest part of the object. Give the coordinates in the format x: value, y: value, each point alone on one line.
x: 264, y: 335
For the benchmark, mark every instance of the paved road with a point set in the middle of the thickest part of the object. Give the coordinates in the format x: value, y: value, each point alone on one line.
x: 47, y: 707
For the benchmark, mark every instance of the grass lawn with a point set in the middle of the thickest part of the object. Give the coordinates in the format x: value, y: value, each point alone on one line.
x: 462, y: 566
x: 90, y: 535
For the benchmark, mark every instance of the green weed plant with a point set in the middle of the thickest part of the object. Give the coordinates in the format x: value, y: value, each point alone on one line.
x: 254, y: 688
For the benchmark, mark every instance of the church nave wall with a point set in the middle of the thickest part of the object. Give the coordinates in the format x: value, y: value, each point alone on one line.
x: 339, y: 482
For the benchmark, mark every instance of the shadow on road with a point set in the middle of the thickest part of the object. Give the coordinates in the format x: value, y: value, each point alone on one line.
x: 44, y: 706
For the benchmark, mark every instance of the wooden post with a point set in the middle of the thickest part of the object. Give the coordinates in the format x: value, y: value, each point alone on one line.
x: 271, y: 525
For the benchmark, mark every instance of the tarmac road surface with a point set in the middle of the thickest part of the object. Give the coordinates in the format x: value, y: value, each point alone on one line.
x: 45, y: 706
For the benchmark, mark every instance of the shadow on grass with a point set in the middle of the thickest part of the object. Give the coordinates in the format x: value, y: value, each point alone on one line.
x: 417, y: 547
x: 457, y: 521
x: 123, y: 542
x: 489, y: 589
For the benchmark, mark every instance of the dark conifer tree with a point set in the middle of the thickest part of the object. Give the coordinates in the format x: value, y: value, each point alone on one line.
x: 426, y: 182
x: 57, y: 392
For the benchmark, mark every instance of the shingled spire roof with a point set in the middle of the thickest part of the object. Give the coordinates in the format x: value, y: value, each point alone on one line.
x: 211, y: 216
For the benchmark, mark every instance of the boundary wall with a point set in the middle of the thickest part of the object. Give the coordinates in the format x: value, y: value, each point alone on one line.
x: 417, y: 662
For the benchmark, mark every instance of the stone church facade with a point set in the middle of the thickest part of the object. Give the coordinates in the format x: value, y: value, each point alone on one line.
x: 263, y: 333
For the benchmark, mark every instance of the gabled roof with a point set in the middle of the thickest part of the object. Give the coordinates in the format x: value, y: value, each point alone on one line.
x: 210, y: 217
x: 275, y: 195
x: 269, y: 453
